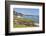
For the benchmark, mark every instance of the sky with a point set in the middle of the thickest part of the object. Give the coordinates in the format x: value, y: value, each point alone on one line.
x: 27, y: 11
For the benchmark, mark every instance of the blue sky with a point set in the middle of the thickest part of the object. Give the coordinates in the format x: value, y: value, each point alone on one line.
x: 27, y: 11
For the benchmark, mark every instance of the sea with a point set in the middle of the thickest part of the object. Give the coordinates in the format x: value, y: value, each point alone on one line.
x: 34, y: 18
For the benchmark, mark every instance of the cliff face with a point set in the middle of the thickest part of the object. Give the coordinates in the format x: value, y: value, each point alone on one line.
x: 17, y: 14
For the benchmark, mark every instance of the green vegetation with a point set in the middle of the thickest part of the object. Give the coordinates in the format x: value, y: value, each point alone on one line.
x: 29, y: 23
x: 21, y: 26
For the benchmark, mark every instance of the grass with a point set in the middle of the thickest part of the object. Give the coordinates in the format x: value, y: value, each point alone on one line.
x: 22, y: 25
